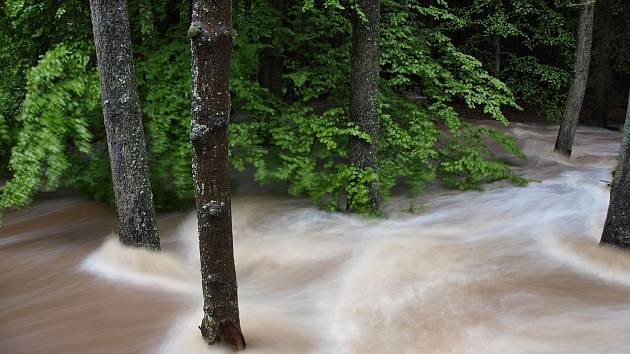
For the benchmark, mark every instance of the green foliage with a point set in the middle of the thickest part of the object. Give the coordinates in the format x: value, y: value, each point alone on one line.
x: 298, y: 138
x: 620, y: 45
x: 300, y: 147
x: 407, y: 145
x: 91, y: 175
x: 163, y: 78
x: 468, y: 162
x: 412, y: 50
x: 304, y: 143
x: 541, y: 84
x: 28, y: 30
x: 147, y: 27
x: 426, y: 140
x: 53, y: 123
x: 515, y: 34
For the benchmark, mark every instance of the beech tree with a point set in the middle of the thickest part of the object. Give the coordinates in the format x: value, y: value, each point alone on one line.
x: 364, y: 100
x: 573, y: 104
x: 123, y: 124
x: 211, y: 35
x: 617, y: 226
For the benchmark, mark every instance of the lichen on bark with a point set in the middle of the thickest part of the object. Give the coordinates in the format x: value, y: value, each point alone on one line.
x: 123, y: 124
x: 211, y: 43
x: 364, y: 99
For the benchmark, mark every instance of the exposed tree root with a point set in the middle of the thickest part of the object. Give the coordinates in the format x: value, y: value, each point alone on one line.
x: 224, y: 331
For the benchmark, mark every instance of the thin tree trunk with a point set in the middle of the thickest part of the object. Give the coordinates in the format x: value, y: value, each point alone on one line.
x: 617, y: 226
x: 497, y: 56
x: 602, y: 73
x: 270, y: 70
x: 211, y: 41
x: 271, y: 65
x: 123, y: 124
x: 603, y: 80
x: 185, y: 7
x: 573, y: 105
x: 364, y: 101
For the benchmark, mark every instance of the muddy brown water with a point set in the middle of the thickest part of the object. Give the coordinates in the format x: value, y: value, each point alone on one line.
x: 509, y: 270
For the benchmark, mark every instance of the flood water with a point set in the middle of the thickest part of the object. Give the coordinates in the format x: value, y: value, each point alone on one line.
x: 509, y: 270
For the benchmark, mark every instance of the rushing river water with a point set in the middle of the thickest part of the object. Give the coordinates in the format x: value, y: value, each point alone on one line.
x: 509, y: 270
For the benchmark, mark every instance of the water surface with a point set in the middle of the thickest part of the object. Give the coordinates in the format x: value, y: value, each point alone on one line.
x: 509, y: 270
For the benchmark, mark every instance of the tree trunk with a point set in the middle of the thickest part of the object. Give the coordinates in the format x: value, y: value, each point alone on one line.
x: 123, y: 124
x: 270, y: 70
x: 573, y: 105
x: 271, y: 65
x: 617, y: 226
x: 497, y: 56
x: 602, y: 74
x: 364, y: 100
x: 211, y: 41
x: 601, y: 101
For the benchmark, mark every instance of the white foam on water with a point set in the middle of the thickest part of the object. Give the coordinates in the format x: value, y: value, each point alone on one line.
x: 510, y: 270
x: 142, y: 267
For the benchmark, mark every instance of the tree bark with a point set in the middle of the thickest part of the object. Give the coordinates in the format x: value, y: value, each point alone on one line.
x: 573, y: 105
x: 211, y: 41
x: 617, y: 226
x: 123, y: 124
x: 602, y: 73
x: 364, y: 100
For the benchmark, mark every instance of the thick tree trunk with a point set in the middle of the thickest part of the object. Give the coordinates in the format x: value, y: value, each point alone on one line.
x: 617, y: 226
x: 364, y: 102
x: 211, y: 41
x: 602, y: 73
x: 123, y: 124
x: 573, y: 105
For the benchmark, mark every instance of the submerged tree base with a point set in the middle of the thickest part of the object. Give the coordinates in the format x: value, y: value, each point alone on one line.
x: 224, y: 331
x: 612, y: 242
x: 563, y: 150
